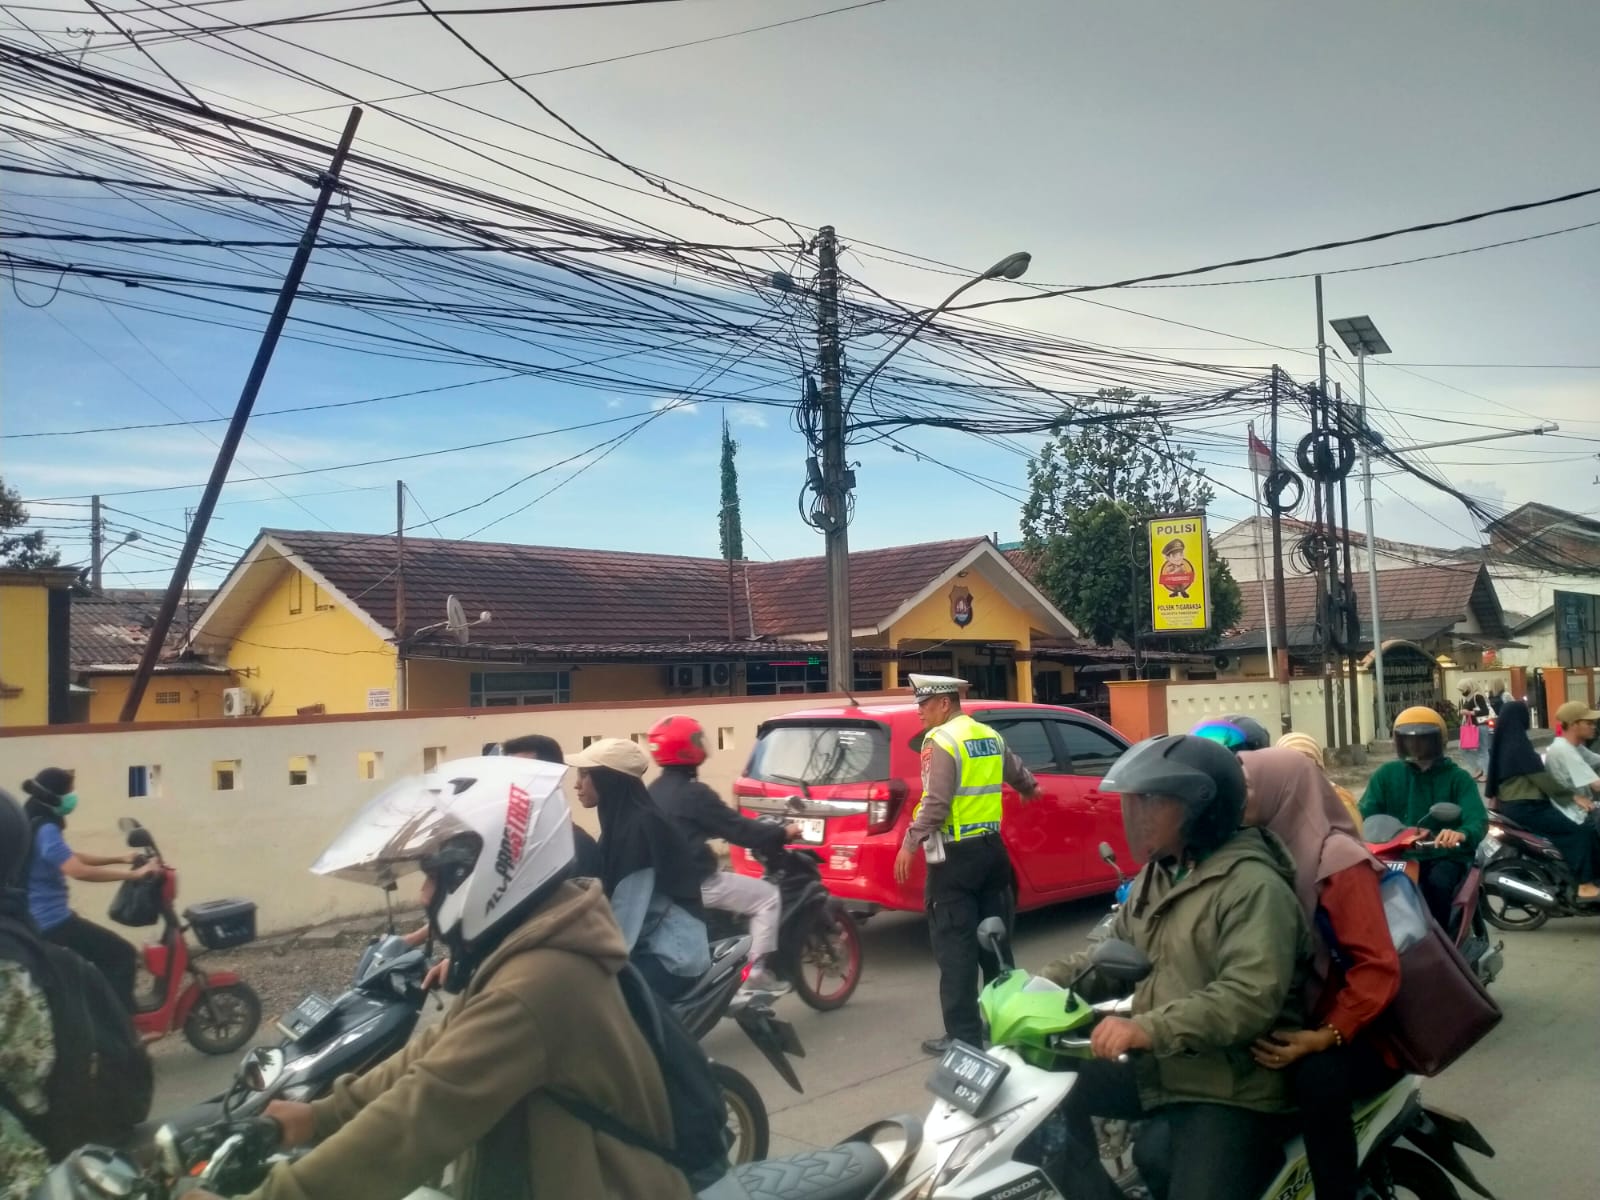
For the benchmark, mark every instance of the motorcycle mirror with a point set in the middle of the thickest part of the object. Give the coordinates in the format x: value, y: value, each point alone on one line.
x: 1109, y: 857
x: 1381, y: 828
x: 140, y: 839
x: 992, y: 937
x: 1120, y: 961
x: 1444, y: 814
x: 127, y: 825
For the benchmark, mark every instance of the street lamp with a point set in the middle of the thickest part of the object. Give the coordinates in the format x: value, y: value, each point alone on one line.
x: 1012, y: 266
x: 1361, y: 338
x: 99, y: 564
x: 835, y: 479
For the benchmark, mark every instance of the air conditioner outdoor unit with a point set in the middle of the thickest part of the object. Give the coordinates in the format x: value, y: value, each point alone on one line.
x: 1227, y: 663
x: 685, y: 676
x: 720, y: 674
x: 238, y: 702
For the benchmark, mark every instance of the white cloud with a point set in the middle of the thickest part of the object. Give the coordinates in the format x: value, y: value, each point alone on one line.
x: 677, y: 404
x: 748, y: 416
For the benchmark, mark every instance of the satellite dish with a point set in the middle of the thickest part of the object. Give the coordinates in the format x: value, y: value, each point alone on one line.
x: 455, y: 620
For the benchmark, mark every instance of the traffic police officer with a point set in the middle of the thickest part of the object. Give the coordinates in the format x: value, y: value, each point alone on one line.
x: 957, y: 826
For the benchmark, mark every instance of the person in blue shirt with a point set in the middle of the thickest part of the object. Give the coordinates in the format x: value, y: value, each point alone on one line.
x: 51, y: 799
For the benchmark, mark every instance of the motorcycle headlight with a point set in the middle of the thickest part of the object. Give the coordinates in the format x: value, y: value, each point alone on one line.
x: 966, y: 1149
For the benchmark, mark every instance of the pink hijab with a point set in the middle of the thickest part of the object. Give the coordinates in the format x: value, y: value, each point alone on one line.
x: 1293, y: 799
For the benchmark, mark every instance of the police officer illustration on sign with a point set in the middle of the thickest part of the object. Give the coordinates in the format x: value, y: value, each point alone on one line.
x: 957, y: 826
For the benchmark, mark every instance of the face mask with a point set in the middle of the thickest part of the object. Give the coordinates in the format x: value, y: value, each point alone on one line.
x: 68, y: 803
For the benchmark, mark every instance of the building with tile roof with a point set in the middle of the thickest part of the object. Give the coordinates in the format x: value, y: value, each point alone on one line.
x: 110, y: 630
x: 339, y: 622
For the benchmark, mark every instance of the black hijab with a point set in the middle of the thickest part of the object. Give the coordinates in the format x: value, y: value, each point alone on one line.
x: 1512, y: 754
x: 635, y: 834
x: 16, y: 848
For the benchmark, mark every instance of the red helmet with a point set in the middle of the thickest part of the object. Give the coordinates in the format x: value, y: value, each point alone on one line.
x: 678, y: 742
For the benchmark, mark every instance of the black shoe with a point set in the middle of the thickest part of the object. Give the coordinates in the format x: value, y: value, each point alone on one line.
x: 936, y: 1046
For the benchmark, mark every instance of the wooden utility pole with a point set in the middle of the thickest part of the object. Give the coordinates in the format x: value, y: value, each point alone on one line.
x: 836, y: 482
x: 400, y: 595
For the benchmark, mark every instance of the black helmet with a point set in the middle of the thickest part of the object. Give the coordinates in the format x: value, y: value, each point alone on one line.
x: 16, y: 844
x: 1236, y: 732
x: 1202, y: 774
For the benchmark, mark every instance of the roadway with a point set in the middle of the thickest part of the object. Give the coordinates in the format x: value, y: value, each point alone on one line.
x: 1530, y: 1087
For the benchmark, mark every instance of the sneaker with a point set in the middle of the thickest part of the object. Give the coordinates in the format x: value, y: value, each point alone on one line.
x: 764, y: 981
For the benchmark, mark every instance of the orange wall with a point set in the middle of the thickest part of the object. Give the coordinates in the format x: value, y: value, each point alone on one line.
x: 199, y: 698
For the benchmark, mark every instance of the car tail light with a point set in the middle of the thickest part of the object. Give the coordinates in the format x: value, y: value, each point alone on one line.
x: 746, y: 790
x: 883, y: 804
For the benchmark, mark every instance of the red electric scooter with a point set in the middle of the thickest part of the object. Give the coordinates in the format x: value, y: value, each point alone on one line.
x: 217, y: 1012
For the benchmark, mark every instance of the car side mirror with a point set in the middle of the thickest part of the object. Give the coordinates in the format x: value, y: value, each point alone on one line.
x: 1120, y: 961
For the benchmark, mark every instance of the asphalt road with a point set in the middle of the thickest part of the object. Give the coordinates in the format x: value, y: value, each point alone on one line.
x: 1531, y: 1087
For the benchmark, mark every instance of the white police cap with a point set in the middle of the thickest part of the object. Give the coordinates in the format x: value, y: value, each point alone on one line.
x: 925, y: 687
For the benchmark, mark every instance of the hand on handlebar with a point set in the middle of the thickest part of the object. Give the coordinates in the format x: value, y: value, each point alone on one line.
x: 296, y: 1121
x: 1449, y: 839
x: 1114, y: 1037
x: 147, y: 870
x: 436, y: 974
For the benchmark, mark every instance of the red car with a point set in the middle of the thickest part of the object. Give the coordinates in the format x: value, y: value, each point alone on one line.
x: 851, y: 778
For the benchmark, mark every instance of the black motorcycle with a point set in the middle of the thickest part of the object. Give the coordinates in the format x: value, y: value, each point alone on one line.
x: 819, y: 943
x: 717, y: 995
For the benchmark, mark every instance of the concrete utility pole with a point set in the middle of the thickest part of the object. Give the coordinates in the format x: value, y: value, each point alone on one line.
x: 837, y: 479
x: 326, y: 185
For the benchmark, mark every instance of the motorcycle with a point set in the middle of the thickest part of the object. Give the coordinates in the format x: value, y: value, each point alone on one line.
x: 227, y: 1157
x: 218, y: 1012
x: 1389, y: 841
x: 989, y: 1104
x: 717, y: 994
x: 1526, y: 880
x: 819, y: 944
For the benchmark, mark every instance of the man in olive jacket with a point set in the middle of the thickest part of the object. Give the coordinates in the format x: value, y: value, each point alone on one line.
x: 540, y: 1015
x: 1215, y: 910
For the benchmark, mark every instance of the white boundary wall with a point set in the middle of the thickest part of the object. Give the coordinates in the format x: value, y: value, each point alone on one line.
x: 257, y: 840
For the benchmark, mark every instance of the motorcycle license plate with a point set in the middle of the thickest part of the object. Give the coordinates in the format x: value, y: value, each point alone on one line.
x: 304, y: 1017
x: 812, y: 829
x: 967, y: 1077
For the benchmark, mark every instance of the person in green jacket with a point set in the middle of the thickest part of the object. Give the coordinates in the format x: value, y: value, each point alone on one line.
x: 1421, y: 776
x: 1214, y: 907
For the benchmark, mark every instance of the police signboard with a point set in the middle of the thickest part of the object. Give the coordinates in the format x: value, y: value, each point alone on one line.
x: 1180, y: 583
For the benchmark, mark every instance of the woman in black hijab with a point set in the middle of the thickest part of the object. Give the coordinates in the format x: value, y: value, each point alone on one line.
x: 1527, y: 793
x: 664, y: 927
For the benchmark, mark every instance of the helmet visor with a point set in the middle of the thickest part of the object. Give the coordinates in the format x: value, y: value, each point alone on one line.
x: 1224, y: 733
x: 1422, y: 746
x: 392, y: 833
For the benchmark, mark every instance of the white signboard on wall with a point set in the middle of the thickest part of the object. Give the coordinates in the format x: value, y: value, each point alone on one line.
x: 379, y: 699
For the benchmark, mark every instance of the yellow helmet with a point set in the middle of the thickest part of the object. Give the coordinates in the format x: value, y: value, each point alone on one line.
x: 1419, y: 736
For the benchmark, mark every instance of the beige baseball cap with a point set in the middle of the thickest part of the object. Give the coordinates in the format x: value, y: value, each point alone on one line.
x: 1576, y: 710
x: 619, y: 754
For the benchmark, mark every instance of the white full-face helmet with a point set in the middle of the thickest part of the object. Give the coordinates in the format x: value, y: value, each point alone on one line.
x: 492, y: 832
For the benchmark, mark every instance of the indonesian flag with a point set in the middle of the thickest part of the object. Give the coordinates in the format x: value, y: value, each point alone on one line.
x: 1261, y: 460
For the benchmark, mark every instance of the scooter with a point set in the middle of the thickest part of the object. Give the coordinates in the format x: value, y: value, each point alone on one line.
x: 819, y: 943
x: 218, y: 1012
x: 990, y: 1103
x: 1526, y: 880
x: 1389, y: 841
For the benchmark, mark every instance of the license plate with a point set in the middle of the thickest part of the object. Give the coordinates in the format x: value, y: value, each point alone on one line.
x: 306, y: 1016
x: 967, y: 1078
x: 812, y: 829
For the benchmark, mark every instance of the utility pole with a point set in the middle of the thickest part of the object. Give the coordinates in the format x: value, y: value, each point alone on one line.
x: 400, y: 595
x: 1280, y: 599
x: 241, y: 417
x: 1352, y: 665
x: 837, y: 479
x: 96, y: 542
x: 1319, y: 414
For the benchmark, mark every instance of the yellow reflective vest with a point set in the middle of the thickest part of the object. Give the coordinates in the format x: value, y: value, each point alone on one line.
x: 980, y: 754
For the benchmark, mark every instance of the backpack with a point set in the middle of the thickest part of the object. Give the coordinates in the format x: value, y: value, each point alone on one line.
x: 102, y: 1083
x: 699, y: 1113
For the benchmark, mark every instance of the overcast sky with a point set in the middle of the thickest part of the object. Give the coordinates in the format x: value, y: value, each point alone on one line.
x: 1109, y: 139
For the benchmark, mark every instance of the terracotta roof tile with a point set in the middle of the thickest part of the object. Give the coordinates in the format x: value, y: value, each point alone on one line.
x: 544, y: 594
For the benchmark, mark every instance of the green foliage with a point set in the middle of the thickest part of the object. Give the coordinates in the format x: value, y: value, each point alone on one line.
x: 21, y: 549
x: 732, y: 529
x: 1089, y: 485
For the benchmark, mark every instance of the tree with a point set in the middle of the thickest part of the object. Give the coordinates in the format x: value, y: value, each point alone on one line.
x: 21, y: 549
x: 729, y: 522
x: 1113, y: 466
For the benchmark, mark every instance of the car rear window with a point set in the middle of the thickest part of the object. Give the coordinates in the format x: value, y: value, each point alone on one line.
x: 821, y: 754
